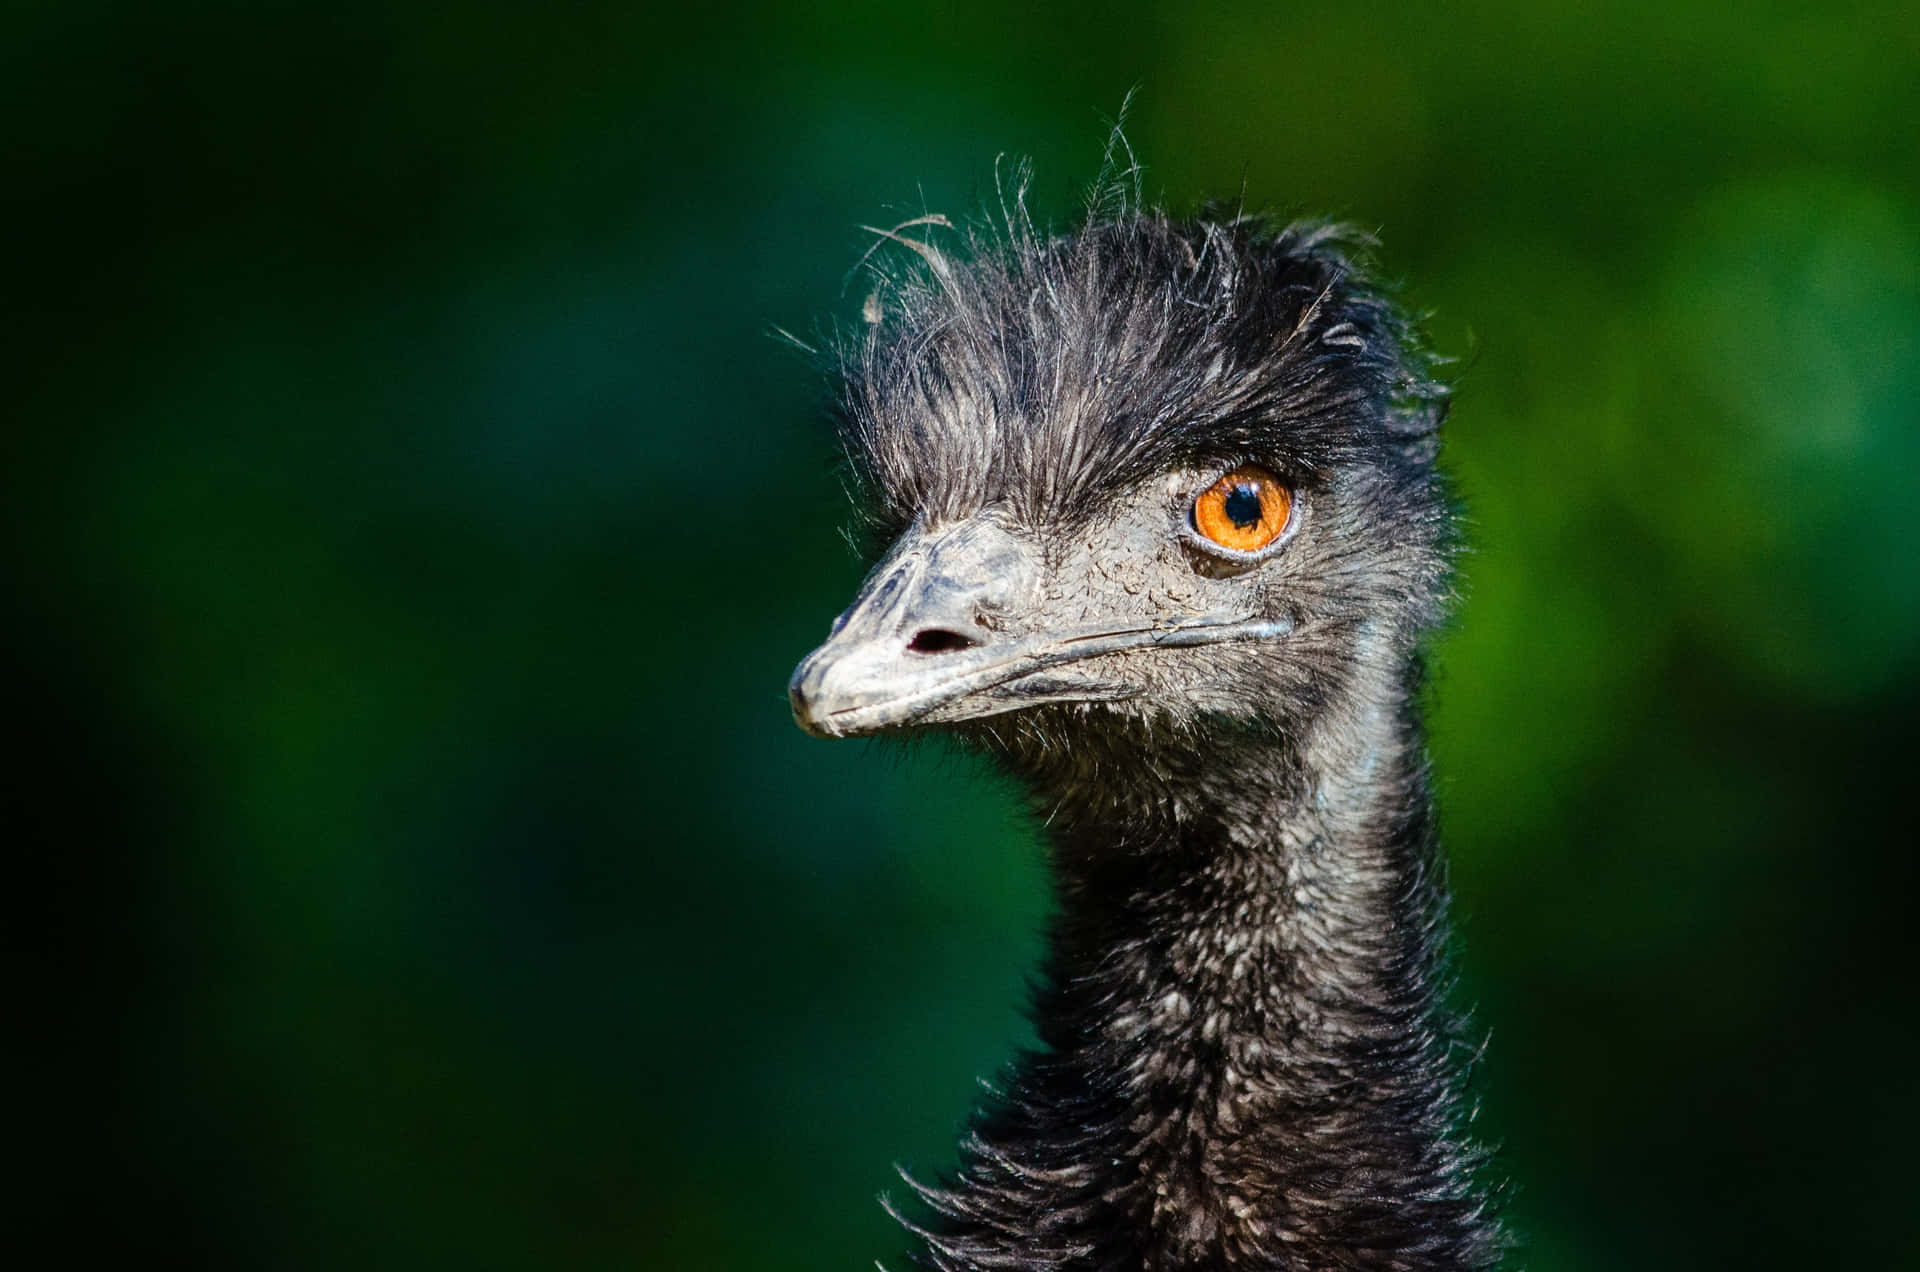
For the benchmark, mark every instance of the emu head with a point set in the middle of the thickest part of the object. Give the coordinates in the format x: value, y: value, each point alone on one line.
x: 1135, y: 482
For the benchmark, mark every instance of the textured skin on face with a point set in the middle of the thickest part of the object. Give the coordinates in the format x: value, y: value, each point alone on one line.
x: 1245, y: 1060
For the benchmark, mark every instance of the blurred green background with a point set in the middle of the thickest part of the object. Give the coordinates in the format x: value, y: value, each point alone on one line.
x: 411, y: 527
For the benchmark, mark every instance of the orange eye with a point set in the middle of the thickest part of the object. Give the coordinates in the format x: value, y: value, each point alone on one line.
x: 1245, y: 510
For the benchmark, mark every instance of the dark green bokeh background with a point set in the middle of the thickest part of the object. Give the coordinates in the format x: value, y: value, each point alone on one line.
x: 411, y: 528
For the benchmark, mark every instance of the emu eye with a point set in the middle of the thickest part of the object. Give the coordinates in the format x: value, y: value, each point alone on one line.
x: 1245, y: 510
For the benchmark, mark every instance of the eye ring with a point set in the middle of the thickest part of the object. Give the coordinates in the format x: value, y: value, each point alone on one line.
x: 1243, y: 512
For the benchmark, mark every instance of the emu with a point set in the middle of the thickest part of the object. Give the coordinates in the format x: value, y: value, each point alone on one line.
x: 1163, y: 537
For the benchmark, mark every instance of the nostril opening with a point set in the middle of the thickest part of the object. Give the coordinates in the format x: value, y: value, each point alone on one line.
x: 938, y: 640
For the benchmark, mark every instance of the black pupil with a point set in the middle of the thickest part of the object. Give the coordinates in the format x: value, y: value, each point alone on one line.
x: 1243, y: 506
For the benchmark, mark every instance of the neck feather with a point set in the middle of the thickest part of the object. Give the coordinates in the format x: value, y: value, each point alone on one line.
x: 1245, y: 1060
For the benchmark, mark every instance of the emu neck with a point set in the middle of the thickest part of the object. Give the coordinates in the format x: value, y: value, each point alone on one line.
x: 1245, y: 1062
x: 1278, y: 910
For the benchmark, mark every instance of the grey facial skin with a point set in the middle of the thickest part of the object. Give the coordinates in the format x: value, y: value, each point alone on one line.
x: 965, y: 620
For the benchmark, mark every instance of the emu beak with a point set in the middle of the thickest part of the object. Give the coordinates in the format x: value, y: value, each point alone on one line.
x: 948, y: 627
x: 921, y: 632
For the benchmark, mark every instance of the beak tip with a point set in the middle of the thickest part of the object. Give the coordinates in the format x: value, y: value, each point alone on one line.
x: 804, y: 703
x: 809, y: 725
